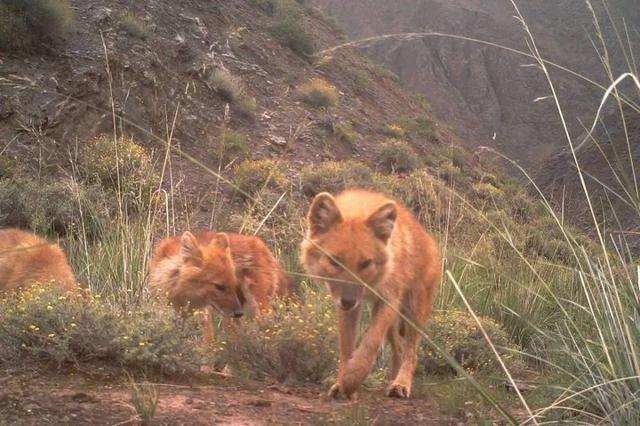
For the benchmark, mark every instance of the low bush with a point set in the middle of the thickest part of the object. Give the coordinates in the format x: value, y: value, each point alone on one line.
x: 252, y: 176
x: 297, y: 342
x: 33, y: 23
x: 45, y: 324
x: 394, y: 131
x: 420, y: 126
x: 396, y: 156
x: 290, y: 28
x: 450, y: 172
x: 227, y: 85
x: 345, y: 133
x: 54, y: 207
x: 458, y: 333
x: 422, y: 193
x: 246, y: 106
x: 318, y: 93
x: 336, y: 176
x: 122, y: 165
x: 232, y: 145
x: 134, y: 25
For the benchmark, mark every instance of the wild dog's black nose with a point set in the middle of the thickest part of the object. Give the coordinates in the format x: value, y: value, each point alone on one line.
x: 238, y: 313
x: 347, y: 304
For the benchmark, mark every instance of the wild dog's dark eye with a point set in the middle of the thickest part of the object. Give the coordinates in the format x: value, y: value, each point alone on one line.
x: 220, y: 287
x: 364, y: 264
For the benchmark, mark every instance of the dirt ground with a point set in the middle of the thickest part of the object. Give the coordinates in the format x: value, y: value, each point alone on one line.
x: 35, y: 398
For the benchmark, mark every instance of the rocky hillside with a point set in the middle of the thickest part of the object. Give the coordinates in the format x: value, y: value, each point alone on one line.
x: 190, y: 69
x: 488, y: 94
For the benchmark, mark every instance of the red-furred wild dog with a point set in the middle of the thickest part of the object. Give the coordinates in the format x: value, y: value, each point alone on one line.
x: 27, y: 259
x: 228, y: 272
x: 368, y: 234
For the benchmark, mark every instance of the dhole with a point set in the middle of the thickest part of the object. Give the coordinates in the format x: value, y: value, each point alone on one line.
x: 228, y: 272
x: 26, y: 259
x: 368, y: 235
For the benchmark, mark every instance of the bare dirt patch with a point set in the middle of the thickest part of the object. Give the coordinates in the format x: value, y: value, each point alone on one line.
x: 32, y: 398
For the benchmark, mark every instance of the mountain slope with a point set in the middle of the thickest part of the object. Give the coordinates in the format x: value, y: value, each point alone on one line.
x: 489, y: 94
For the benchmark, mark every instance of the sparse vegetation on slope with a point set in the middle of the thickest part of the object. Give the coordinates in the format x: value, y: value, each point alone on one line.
x: 26, y: 25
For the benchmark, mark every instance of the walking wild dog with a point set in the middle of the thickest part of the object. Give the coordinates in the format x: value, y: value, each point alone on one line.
x: 228, y: 272
x: 27, y: 259
x: 366, y: 235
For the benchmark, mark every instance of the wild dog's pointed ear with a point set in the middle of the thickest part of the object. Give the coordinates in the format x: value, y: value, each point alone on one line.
x: 189, y: 249
x: 323, y: 213
x: 221, y: 240
x: 383, y: 220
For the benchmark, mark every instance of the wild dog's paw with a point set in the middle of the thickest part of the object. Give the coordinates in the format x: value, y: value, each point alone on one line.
x: 337, y: 392
x: 397, y: 390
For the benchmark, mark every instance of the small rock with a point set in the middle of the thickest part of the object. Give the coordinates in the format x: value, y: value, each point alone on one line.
x: 82, y: 397
x: 278, y: 140
x: 260, y: 403
x: 101, y: 15
x: 522, y: 387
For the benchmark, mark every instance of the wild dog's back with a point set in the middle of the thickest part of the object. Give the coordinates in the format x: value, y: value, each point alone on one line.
x: 26, y: 259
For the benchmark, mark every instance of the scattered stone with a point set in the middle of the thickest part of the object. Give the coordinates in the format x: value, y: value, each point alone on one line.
x: 260, y: 403
x: 278, y: 141
x: 522, y: 386
x: 83, y: 398
x: 101, y: 15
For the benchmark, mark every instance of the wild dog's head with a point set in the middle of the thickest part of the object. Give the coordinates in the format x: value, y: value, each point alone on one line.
x: 207, y: 274
x: 337, y: 247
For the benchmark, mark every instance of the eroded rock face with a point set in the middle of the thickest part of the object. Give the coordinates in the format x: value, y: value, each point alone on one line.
x: 483, y: 91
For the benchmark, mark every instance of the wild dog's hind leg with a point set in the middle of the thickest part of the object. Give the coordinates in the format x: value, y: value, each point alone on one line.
x: 401, y: 385
x: 347, y: 329
x: 395, y: 339
x: 419, y: 305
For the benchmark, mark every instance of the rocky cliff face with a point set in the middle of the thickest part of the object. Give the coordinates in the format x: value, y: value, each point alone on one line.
x: 489, y: 94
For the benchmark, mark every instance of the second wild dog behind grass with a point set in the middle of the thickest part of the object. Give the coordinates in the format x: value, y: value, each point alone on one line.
x: 231, y: 273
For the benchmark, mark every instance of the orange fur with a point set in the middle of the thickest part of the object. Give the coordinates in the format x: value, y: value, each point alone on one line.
x: 377, y: 239
x: 26, y: 259
x: 229, y: 272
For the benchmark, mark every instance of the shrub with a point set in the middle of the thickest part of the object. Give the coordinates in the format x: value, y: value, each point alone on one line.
x: 290, y: 28
x: 45, y: 324
x: 29, y: 24
x: 252, y: 176
x: 232, y: 144
x: 488, y: 192
x: 133, y: 170
x: 246, y: 106
x: 421, y: 193
x: 336, y: 176
x: 227, y: 85
x: 318, y: 93
x: 345, y: 133
x: 396, y: 156
x: 52, y: 207
x: 450, y: 172
x: 394, y: 131
x: 297, y: 342
x: 134, y: 25
x: 458, y: 333
x: 8, y: 166
x: 421, y: 126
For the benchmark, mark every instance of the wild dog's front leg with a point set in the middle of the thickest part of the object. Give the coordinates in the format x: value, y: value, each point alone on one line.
x: 207, y: 326
x: 347, y: 329
x: 364, y: 358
